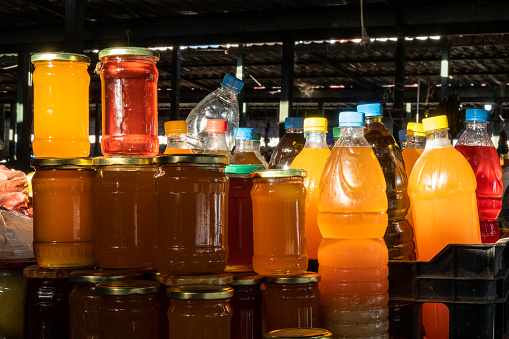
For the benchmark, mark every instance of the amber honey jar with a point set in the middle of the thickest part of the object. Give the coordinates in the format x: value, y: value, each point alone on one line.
x: 247, y: 306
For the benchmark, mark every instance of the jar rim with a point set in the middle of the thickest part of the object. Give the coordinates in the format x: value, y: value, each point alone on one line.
x: 205, y: 159
x: 278, y: 173
x: 98, y: 276
x: 293, y: 333
x: 49, y: 162
x: 108, y: 161
x: 127, y: 287
x: 246, y: 280
x: 58, y: 56
x: 134, y: 51
x: 307, y: 277
x: 199, y: 292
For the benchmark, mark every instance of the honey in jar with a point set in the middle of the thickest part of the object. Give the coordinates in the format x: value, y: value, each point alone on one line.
x: 246, y: 304
x: 299, y: 333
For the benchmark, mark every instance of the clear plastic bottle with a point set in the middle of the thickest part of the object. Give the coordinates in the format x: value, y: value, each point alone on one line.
x: 353, y: 256
x: 244, y: 153
x: 176, y: 132
x: 476, y: 146
x: 312, y: 159
x: 290, y: 144
x: 216, y: 139
x: 402, y: 139
x: 256, y: 145
x: 220, y: 104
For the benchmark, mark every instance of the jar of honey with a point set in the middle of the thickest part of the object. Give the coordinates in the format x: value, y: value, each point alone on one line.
x: 63, y: 212
x: 129, y: 101
x: 247, y: 306
x: 61, y: 107
x: 240, y: 218
x: 279, y: 234
x: 46, y: 302
x: 292, y: 301
x: 125, y: 213
x: 128, y: 309
x: 192, y: 198
x: 200, y: 311
x: 299, y: 333
x: 84, y: 301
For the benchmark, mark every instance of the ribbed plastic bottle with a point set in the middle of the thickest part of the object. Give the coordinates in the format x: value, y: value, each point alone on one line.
x: 353, y: 256
x: 442, y: 186
x: 290, y: 144
x: 256, y: 145
x: 476, y: 146
x: 220, y: 104
x: 244, y: 153
x: 399, y: 234
x: 176, y: 134
x: 312, y: 159
x: 215, y: 143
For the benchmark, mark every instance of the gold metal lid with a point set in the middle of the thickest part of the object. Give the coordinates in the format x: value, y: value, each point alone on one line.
x: 180, y: 280
x: 107, y: 161
x: 278, y: 173
x: 37, y: 272
x: 42, y: 162
x: 308, y: 277
x: 58, y: 56
x: 140, y: 51
x: 202, y: 159
x: 296, y: 333
x: 200, y: 292
x: 246, y: 279
x: 100, y: 275
x: 127, y: 287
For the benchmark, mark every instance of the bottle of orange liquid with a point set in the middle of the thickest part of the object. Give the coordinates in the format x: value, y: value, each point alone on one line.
x: 244, y: 153
x: 312, y: 159
x: 442, y: 187
x: 353, y: 257
x: 176, y: 132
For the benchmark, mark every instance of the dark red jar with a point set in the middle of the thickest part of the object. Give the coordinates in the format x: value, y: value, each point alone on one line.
x: 246, y: 304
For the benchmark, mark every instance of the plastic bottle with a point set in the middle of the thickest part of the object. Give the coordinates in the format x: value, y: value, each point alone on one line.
x: 399, y: 234
x: 215, y: 143
x: 290, y: 144
x: 256, y: 145
x: 220, y: 104
x: 476, y: 146
x: 312, y: 159
x: 244, y: 150
x: 353, y: 256
x: 336, y: 132
x: 329, y: 138
x: 176, y: 132
x: 442, y: 186
x: 402, y: 139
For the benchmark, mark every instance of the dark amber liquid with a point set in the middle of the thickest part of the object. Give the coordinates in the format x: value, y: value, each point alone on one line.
x: 246, y: 305
x: 191, y: 219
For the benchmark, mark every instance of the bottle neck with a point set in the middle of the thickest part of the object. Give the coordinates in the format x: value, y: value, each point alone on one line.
x: 372, y: 120
x: 352, y: 137
x: 294, y: 130
x: 414, y: 141
x: 316, y: 139
x: 438, y: 138
x: 226, y: 94
x: 244, y: 145
x: 177, y: 141
x: 216, y: 142
x: 476, y: 125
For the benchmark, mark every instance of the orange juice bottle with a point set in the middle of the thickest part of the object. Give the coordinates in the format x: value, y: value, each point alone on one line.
x: 176, y: 132
x: 312, y: 159
x: 442, y: 188
x: 61, y: 114
x: 353, y: 256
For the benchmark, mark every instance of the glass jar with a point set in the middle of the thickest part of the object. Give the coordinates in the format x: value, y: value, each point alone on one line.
x: 84, y: 301
x: 297, y: 333
x: 200, y: 311
x: 12, y: 289
x: 125, y: 213
x: 192, y: 197
x: 279, y: 234
x: 292, y: 301
x: 240, y: 218
x: 63, y: 212
x: 46, y: 303
x: 247, y: 307
x: 61, y: 107
x: 129, y: 309
x: 129, y: 101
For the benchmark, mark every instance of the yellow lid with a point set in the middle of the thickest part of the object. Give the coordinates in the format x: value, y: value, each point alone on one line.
x: 416, y: 128
x: 315, y: 124
x: 175, y: 127
x: 434, y: 123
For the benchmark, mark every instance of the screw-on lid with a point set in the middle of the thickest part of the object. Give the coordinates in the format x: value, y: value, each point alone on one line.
x: 370, y: 110
x: 402, y: 134
x: 210, y: 279
x: 48, y: 162
x: 257, y: 137
x: 175, y: 127
x: 477, y: 114
x: 232, y: 83
x: 246, y: 279
x: 107, y: 161
x: 200, y: 292
x: 278, y: 173
x: 57, y: 56
x: 242, y: 169
x: 315, y: 124
x: 217, y: 126
x: 37, y: 272
x: 305, y: 278
x: 297, y: 333
x: 100, y: 275
x: 434, y: 123
x: 293, y: 122
x: 336, y: 132
x: 200, y: 159
x: 416, y: 128
x: 139, y: 51
x: 127, y: 287
x: 242, y: 133
x: 351, y: 119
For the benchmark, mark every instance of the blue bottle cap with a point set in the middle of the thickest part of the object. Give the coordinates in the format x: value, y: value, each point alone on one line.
x: 293, y: 122
x: 351, y: 119
x: 244, y: 133
x: 370, y: 110
x: 477, y: 114
x: 232, y: 83
x: 402, y: 134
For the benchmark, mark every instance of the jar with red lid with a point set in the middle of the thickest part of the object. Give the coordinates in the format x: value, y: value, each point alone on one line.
x: 129, y: 101
x: 246, y: 305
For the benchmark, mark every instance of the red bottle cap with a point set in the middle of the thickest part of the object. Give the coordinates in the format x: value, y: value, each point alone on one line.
x: 216, y: 126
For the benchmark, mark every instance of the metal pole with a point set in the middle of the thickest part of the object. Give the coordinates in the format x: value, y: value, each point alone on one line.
x: 286, y: 101
x: 175, y: 83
